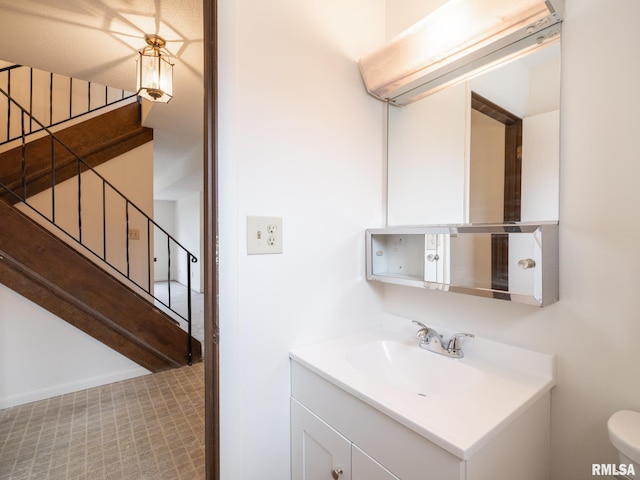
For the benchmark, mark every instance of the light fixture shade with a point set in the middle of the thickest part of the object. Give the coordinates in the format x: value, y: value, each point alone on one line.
x: 457, y: 33
x: 155, y: 71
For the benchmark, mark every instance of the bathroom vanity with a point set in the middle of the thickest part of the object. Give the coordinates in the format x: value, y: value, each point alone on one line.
x: 375, y: 406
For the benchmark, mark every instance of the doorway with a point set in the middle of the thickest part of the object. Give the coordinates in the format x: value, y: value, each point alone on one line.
x: 211, y: 313
x: 502, y: 191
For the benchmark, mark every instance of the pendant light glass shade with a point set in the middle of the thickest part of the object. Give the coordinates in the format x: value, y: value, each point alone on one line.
x: 155, y: 71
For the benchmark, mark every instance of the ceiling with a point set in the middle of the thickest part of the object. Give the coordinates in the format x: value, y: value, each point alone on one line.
x: 98, y: 40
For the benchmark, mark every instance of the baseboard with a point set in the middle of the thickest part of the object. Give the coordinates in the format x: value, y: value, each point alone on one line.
x: 84, y: 384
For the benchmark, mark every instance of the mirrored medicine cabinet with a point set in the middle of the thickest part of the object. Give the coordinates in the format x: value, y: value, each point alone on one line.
x: 473, y: 167
x: 485, y: 150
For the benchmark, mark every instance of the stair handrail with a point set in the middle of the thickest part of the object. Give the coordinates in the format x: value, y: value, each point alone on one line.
x: 7, y: 136
x: 84, y: 167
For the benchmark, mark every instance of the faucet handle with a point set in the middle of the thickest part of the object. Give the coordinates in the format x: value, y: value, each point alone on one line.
x: 427, y: 334
x: 454, y: 342
x: 423, y: 332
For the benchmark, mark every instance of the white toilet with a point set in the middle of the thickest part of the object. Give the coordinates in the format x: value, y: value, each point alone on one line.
x: 624, y: 433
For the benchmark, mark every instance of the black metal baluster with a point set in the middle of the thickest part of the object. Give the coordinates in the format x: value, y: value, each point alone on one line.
x: 104, y: 221
x: 70, y: 97
x: 127, y: 239
x: 79, y: 201
x: 51, y: 98
x: 23, y: 165
x: 169, y: 268
x: 189, y: 344
x: 9, y: 105
x: 53, y: 182
x: 31, y: 100
x: 149, y: 254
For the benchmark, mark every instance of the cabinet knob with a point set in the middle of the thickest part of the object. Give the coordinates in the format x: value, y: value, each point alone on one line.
x: 526, y: 263
x: 336, y: 472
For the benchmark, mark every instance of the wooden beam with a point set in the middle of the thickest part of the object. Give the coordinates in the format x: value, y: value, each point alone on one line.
x: 95, y: 141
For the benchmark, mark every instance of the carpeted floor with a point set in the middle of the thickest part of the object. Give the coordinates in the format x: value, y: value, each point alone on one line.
x: 179, y: 303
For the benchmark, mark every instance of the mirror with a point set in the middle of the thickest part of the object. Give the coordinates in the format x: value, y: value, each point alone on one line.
x: 463, y: 259
x: 447, y: 153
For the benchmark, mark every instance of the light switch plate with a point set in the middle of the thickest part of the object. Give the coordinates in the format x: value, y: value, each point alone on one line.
x: 264, y: 235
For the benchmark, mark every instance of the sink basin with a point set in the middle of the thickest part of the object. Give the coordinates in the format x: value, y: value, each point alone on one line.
x: 458, y: 404
x: 413, y: 369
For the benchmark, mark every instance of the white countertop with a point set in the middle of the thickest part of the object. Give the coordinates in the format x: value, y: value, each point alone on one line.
x: 511, y: 380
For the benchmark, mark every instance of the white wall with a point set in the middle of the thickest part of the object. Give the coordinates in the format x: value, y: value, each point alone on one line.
x: 42, y: 356
x: 540, y: 167
x: 189, y: 233
x: 426, y: 139
x: 401, y: 14
x: 300, y: 139
x: 182, y: 219
x: 594, y: 328
x: 165, y: 216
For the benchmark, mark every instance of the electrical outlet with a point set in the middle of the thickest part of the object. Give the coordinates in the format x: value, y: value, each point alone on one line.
x: 264, y: 235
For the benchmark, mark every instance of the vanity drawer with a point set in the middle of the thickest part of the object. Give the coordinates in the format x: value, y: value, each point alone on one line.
x: 400, y: 450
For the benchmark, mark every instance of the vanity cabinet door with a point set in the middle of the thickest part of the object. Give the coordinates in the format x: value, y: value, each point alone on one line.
x: 363, y: 467
x: 318, y: 452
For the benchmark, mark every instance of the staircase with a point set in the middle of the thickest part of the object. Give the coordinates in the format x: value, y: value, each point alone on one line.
x: 39, y: 266
x: 74, y: 279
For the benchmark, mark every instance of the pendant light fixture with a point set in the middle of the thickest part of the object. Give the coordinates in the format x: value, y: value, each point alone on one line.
x: 155, y: 71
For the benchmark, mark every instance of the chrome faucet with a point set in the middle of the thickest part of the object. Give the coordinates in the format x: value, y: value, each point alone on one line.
x: 432, y: 341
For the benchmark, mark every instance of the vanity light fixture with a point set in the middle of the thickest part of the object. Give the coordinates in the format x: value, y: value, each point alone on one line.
x: 155, y: 71
x: 454, y: 42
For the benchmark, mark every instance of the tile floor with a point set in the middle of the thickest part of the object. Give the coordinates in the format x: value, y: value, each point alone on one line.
x: 150, y: 427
